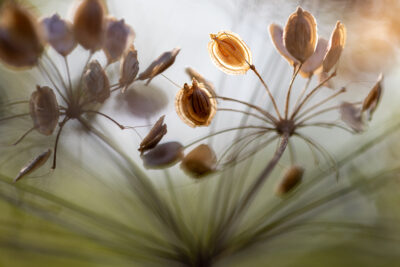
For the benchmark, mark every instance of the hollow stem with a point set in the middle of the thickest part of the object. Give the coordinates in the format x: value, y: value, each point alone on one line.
x: 287, y: 102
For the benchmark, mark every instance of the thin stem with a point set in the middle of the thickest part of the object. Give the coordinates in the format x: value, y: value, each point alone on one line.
x: 287, y: 102
x: 245, y: 113
x: 326, y: 125
x: 14, y: 103
x: 69, y: 77
x: 122, y: 127
x: 171, y: 81
x: 45, y: 73
x: 14, y: 116
x: 58, y: 73
x: 23, y: 136
x: 56, y: 143
x: 303, y: 92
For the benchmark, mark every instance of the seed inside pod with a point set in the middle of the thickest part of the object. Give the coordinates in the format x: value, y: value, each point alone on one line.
x: 351, y: 115
x: 96, y: 83
x: 35, y: 164
x: 154, y: 136
x: 59, y: 34
x: 372, y: 100
x: 336, y: 45
x: 290, y: 180
x: 207, y: 84
x: 129, y: 68
x: 163, y: 155
x: 200, y: 161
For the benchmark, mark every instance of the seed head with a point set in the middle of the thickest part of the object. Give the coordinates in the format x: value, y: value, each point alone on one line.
x: 336, y: 45
x: 129, y: 68
x: 59, y: 34
x: 163, y: 155
x: 200, y: 161
x: 154, y: 136
x: 96, y: 83
x: 290, y: 180
x: 35, y: 164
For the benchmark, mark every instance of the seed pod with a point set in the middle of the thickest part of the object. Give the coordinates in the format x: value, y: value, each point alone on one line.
x: 59, y: 34
x: 195, y: 105
x: 96, y: 83
x: 351, y: 115
x: 290, y: 180
x: 336, y: 45
x: 315, y: 61
x: 200, y: 161
x: 300, y: 35
x: 159, y: 65
x: 154, y: 136
x: 163, y: 155
x: 44, y: 110
x: 89, y: 24
x: 229, y: 53
x: 118, y: 37
x: 276, y: 33
x: 129, y: 68
x: 20, y: 38
x: 372, y: 100
x: 207, y: 84
x: 35, y: 164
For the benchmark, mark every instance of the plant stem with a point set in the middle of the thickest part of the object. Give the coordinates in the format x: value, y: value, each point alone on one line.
x: 290, y: 90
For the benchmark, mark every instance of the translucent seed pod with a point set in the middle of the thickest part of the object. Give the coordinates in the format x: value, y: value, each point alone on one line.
x: 44, y: 110
x: 33, y: 165
x: 314, y: 62
x: 276, y: 33
x: 195, y: 105
x: 290, y: 180
x: 95, y: 82
x: 230, y: 53
x: 351, y: 115
x: 129, y: 68
x: 154, y: 136
x: 163, y: 155
x: 336, y: 45
x: 200, y: 161
x: 371, y: 102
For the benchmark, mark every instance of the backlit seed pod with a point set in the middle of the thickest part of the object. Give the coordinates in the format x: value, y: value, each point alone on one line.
x: 207, y: 84
x: 372, y: 100
x: 336, y: 45
x: 118, y: 36
x: 96, y: 83
x: 44, y: 110
x: 33, y: 165
x: 195, y: 105
x: 89, y: 24
x: 314, y: 62
x: 20, y: 37
x: 159, y: 65
x: 290, y: 180
x: 200, y: 161
x: 59, y: 34
x: 300, y: 35
x: 129, y: 69
x: 276, y: 33
x: 154, y: 136
x: 351, y: 115
x: 163, y: 155
x: 230, y: 53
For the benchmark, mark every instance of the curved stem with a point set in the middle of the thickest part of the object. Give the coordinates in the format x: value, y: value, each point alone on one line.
x: 303, y: 92
x: 245, y: 113
x: 290, y: 90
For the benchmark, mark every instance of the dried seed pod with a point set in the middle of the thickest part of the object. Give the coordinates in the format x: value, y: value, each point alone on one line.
x: 336, y: 45
x: 200, y: 161
x: 300, y: 35
x: 89, y: 24
x: 351, y: 115
x: 154, y: 136
x: 96, y: 83
x: 207, y: 84
x: 290, y: 180
x: 371, y: 102
x: 276, y: 33
x: 230, y: 53
x: 159, y: 65
x: 323, y: 76
x: 33, y: 165
x: 44, y: 110
x: 195, y: 105
x: 59, y: 34
x: 163, y: 155
x: 129, y: 68
x: 20, y: 37
x: 315, y: 61
x: 118, y: 37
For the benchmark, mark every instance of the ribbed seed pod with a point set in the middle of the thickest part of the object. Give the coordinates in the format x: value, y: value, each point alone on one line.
x: 314, y: 62
x: 33, y: 165
x: 200, y: 161
x: 336, y: 45
x: 59, y: 34
x: 371, y: 102
x: 163, y: 155
x: 129, y: 68
x: 276, y: 33
x: 207, y: 84
x: 96, y: 83
x: 290, y: 180
x: 117, y: 39
x: 154, y: 136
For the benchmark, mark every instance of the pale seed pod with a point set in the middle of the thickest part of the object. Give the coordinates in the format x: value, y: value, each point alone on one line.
x: 199, y: 162
x: 351, y: 115
x: 336, y: 45
x: 154, y: 136
x: 207, y: 84
x: 44, y: 110
x: 323, y: 76
x: 290, y: 180
x: 300, y: 35
x: 59, y: 34
x: 33, y: 165
x: 314, y: 62
x: 371, y: 102
x: 276, y: 33
x: 230, y: 53
x: 195, y: 105
x: 129, y: 69
x: 163, y: 62
x: 164, y: 155
x: 96, y: 83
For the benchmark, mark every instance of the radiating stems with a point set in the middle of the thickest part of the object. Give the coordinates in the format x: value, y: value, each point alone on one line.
x: 245, y: 113
x: 14, y: 116
x: 303, y: 92
x: 69, y: 77
x: 45, y: 73
x: 289, y: 91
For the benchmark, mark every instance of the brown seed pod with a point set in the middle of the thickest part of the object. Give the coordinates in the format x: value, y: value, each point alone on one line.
x: 163, y: 155
x: 154, y: 136
x: 159, y: 65
x: 276, y: 33
x: 129, y: 68
x: 200, y: 161
x: 59, y: 34
x: 336, y: 45
x: 33, y: 165
x: 351, y: 115
x: 314, y: 62
x: 207, y: 84
x: 20, y: 37
x: 372, y: 100
x: 230, y: 53
x: 195, y: 105
x: 290, y: 180
x: 44, y: 110
x: 300, y: 35
x: 96, y: 83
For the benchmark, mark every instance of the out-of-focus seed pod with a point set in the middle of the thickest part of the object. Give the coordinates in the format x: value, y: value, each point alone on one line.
x: 276, y: 33
x: 163, y: 155
x: 207, y: 84
x: 118, y: 36
x: 159, y: 65
x: 372, y: 100
x: 200, y: 161
x: 154, y: 136
x: 314, y: 62
x: 44, y: 110
x: 89, y: 24
x: 230, y: 53
x: 351, y: 115
x: 20, y: 37
x: 129, y: 68
x: 195, y: 105
x: 59, y: 34
x: 96, y: 83
x: 336, y: 45
x: 33, y: 165
x: 300, y: 35
x: 290, y: 180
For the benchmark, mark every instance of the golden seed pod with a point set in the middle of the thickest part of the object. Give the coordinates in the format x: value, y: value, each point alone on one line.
x: 290, y: 180
x: 371, y: 102
x: 20, y: 37
x: 351, y: 115
x: 300, y: 35
x: 313, y: 63
x: 195, y: 105
x: 96, y: 83
x: 336, y: 45
x: 59, y: 34
x: 154, y: 136
x: 33, y: 165
x: 276, y: 33
x: 129, y: 68
x: 200, y: 161
x: 44, y: 110
x: 207, y: 84
x: 89, y: 24
x: 163, y: 62
x: 230, y: 53
x: 163, y: 155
